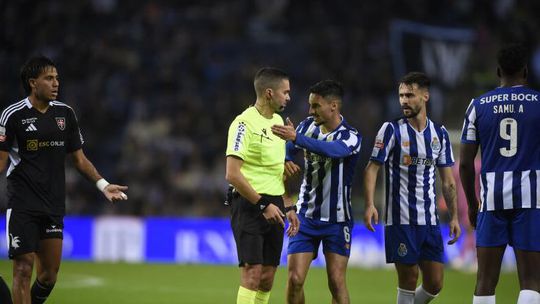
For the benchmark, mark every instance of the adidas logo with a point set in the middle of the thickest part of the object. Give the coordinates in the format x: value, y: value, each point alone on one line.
x: 31, y: 127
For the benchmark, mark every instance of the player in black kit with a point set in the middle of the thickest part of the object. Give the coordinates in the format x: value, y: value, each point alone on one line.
x: 36, y: 134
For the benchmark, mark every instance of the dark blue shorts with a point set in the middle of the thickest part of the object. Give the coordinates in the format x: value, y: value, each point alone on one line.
x: 409, y: 244
x: 519, y: 228
x: 335, y: 237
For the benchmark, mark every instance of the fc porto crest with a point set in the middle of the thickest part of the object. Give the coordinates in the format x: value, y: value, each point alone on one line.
x: 402, y: 250
x: 435, y: 144
x: 61, y: 123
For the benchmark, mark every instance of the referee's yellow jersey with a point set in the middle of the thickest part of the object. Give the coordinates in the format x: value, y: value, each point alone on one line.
x: 251, y: 139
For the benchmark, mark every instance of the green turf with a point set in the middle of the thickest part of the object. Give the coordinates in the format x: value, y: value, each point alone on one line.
x: 104, y: 283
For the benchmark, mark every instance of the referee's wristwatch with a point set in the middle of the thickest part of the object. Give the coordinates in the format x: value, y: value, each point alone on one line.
x: 289, y: 208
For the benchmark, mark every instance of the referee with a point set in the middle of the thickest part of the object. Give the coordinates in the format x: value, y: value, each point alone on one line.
x: 255, y: 167
x: 37, y: 133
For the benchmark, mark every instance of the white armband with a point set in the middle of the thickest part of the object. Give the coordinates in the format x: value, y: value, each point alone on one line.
x: 101, y: 184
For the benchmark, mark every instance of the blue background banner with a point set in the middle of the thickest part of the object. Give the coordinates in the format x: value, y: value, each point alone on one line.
x: 208, y: 241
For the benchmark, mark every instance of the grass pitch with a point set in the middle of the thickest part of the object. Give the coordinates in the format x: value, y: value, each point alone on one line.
x: 85, y: 283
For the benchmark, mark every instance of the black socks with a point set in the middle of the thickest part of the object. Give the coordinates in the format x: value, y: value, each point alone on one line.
x: 40, y: 292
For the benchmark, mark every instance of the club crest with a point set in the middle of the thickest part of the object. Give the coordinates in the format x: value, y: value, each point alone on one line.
x: 61, y: 123
x: 402, y: 250
x: 435, y: 144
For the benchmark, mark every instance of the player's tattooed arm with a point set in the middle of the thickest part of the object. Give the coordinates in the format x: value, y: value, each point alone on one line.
x: 450, y: 197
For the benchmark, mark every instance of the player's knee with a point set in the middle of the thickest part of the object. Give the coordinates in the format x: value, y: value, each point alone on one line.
x: 22, y: 270
x: 336, y: 286
x: 48, y: 278
x: 266, y: 283
x: 251, y: 276
x: 530, y: 283
x: 336, y: 283
x: 295, y: 280
x: 433, y: 288
x: 408, y: 282
x: 485, y: 286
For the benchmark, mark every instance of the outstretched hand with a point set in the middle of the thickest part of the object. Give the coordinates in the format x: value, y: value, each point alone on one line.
x: 286, y: 132
x: 115, y: 193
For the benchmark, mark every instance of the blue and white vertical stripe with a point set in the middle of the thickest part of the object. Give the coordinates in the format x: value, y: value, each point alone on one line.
x: 410, y: 158
x: 503, y: 122
x: 330, y: 159
x: 510, y: 190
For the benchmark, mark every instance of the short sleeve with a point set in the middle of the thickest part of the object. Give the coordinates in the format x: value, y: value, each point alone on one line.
x: 7, y: 133
x: 446, y: 157
x: 238, y: 139
x: 469, y: 134
x: 384, y: 142
x: 75, y: 139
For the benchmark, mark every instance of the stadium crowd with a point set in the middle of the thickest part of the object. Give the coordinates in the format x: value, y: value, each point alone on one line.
x: 155, y: 84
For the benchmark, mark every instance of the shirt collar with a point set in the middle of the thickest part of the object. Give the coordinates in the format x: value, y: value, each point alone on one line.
x: 29, y: 104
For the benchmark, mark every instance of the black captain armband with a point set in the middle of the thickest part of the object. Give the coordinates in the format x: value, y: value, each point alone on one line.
x: 262, y: 203
x: 289, y: 208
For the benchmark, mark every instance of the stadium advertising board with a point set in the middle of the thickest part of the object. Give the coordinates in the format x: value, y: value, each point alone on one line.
x: 200, y: 241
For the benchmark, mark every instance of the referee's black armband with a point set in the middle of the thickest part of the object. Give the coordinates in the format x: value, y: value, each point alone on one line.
x: 262, y: 203
x: 289, y: 208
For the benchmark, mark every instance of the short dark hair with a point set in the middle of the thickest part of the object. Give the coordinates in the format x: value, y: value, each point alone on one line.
x: 33, y: 68
x: 512, y: 59
x: 268, y: 77
x: 421, y: 79
x: 328, y: 88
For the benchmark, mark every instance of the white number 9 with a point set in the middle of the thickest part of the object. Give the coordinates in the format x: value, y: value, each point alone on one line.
x: 508, y: 130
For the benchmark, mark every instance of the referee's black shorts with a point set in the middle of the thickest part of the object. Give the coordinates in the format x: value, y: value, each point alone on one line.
x: 257, y: 241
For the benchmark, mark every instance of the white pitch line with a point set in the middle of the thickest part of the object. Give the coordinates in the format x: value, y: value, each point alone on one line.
x: 79, y: 281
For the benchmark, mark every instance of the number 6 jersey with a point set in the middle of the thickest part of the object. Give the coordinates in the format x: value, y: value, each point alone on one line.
x: 505, y: 123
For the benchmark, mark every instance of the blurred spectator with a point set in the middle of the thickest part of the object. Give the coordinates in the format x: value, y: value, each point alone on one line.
x: 158, y: 81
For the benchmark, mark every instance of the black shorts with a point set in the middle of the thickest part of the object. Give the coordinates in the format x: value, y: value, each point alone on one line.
x: 25, y: 230
x: 257, y: 241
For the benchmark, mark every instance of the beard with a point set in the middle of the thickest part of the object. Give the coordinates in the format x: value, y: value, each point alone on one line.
x: 318, y: 121
x: 412, y: 112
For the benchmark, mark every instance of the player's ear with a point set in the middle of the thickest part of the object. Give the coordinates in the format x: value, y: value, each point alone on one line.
x: 426, y: 95
x: 334, y: 105
x: 32, y: 83
x: 269, y: 93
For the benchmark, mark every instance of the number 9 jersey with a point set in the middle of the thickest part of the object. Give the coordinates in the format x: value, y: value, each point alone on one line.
x: 505, y: 123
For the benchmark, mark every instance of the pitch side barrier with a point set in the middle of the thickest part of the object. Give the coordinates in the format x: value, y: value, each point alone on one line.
x: 208, y: 241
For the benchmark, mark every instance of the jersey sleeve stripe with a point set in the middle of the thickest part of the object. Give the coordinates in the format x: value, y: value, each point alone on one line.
x: 10, y: 110
x: 468, y: 134
x: 447, y: 145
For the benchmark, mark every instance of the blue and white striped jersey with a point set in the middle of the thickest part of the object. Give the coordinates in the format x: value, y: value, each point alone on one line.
x: 503, y: 122
x: 330, y: 160
x: 410, y: 158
